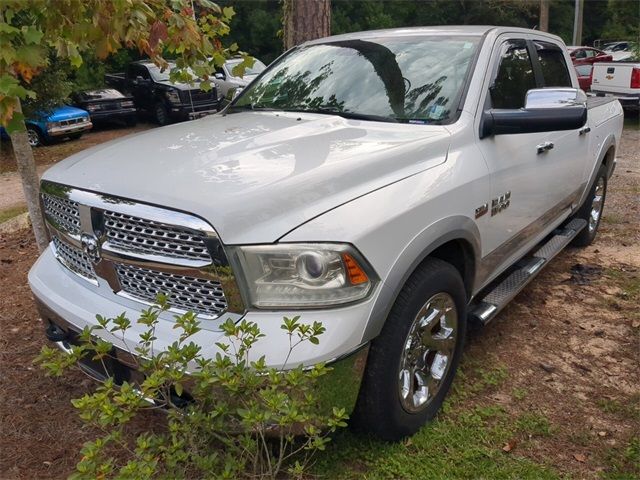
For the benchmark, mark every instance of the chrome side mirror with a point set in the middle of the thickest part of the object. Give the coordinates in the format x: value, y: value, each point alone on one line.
x: 555, y: 98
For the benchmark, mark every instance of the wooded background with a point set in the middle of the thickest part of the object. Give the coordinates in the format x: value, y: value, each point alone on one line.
x: 257, y: 26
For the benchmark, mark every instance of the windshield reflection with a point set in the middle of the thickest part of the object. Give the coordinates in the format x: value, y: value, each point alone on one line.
x: 408, y: 79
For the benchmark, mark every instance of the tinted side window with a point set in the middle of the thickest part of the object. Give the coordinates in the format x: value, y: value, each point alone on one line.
x: 514, y: 77
x: 554, y: 67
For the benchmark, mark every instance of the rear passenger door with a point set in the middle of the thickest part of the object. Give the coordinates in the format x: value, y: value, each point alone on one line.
x: 531, y: 191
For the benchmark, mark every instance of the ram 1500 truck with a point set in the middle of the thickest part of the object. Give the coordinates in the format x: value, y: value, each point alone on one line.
x: 394, y: 185
x: 153, y: 92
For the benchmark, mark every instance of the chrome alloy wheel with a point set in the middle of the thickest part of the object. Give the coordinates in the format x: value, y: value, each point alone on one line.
x: 428, y: 352
x: 596, y: 205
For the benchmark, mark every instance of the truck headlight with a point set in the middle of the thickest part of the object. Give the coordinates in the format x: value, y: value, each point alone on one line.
x: 304, y: 275
x: 172, y: 96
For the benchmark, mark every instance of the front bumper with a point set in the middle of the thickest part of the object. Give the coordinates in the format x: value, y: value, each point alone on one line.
x: 72, y: 304
x: 338, y: 388
x: 69, y: 129
x: 113, y: 114
x: 187, y: 111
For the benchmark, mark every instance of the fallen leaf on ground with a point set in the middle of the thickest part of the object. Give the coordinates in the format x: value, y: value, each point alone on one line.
x: 580, y: 457
x: 510, y: 445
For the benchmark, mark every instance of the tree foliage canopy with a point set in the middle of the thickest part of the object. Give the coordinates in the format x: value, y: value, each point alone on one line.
x: 30, y: 32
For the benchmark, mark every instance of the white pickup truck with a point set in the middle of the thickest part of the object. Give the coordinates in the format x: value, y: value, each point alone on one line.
x: 618, y: 79
x: 393, y: 185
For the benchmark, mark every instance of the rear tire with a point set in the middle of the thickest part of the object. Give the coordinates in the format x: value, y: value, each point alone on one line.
x: 591, y: 210
x: 413, y: 361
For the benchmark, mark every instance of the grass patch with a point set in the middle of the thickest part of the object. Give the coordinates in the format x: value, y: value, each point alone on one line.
x: 623, y: 463
x: 627, y: 409
x: 10, y: 213
x: 519, y: 393
x: 629, y: 282
x: 534, y: 424
x: 463, y: 442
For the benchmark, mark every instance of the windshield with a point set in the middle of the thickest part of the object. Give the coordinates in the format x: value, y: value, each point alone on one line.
x: 401, y: 79
x: 256, y: 69
x: 163, y: 76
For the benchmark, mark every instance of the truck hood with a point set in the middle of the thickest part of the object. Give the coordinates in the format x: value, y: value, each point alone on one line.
x: 256, y: 175
x: 65, y: 112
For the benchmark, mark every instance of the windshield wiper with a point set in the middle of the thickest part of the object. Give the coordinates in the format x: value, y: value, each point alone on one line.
x: 350, y: 115
x: 250, y: 107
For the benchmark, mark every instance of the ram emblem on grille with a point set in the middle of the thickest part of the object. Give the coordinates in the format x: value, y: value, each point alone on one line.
x: 90, y: 246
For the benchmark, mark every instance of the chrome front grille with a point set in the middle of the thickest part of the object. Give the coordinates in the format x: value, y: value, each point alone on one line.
x: 142, y: 236
x: 72, y: 121
x: 63, y: 212
x: 74, y: 259
x: 140, y: 250
x: 202, y: 296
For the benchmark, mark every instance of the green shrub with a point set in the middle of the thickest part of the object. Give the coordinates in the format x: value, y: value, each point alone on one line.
x: 240, y: 417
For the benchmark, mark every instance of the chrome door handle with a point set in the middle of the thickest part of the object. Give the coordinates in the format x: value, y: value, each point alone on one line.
x: 584, y: 130
x: 544, y: 147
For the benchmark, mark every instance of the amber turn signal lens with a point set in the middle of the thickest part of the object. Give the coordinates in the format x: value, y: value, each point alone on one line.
x: 354, y: 271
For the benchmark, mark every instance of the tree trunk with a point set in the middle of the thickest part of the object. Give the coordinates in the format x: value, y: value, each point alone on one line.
x: 30, y: 182
x: 544, y: 15
x: 305, y: 20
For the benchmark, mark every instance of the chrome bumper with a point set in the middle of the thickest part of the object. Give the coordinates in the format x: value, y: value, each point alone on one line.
x: 339, y: 388
x: 68, y: 129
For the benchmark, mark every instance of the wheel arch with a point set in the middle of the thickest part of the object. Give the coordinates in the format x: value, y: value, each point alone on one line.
x: 455, y: 240
x: 606, y: 156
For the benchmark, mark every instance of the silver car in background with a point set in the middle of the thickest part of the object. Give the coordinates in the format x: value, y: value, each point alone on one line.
x: 225, y: 79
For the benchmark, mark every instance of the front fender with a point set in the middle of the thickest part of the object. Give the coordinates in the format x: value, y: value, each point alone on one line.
x: 437, y: 234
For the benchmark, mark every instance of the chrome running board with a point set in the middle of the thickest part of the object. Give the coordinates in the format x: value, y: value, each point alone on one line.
x: 489, y: 305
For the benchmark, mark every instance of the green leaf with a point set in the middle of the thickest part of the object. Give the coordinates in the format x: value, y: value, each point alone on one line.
x: 31, y: 34
x: 16, y: 124
x: 228, y: 13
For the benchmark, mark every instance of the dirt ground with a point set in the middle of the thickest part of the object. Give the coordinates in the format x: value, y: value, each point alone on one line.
x: 569, y: 343
x: 10, y: 187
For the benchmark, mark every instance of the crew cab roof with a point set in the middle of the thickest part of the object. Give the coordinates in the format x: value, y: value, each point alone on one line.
x: 447, y: 30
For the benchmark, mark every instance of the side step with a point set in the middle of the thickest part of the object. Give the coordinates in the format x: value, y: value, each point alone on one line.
x: 502, y: 293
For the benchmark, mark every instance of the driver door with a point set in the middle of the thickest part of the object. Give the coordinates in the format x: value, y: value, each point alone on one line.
x: 532, y: 173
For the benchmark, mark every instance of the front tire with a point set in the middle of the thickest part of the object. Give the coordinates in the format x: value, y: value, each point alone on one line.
x: 35, y: 137
x: 592, y: 209
x: 413, y: 361
x: 161, y: 114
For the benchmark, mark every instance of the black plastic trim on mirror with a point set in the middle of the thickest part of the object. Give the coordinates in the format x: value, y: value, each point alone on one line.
x: 506, y: 121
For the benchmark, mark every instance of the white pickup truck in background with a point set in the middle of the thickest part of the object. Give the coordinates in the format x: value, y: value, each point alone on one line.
x: 619, y: 79
x: 393, y: 185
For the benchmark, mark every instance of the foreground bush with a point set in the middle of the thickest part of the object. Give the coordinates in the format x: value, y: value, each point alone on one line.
x: 239, y: 418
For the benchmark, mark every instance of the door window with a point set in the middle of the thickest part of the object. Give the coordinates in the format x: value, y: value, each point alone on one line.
x: 590, y: 53
x: 554, y: 67
x: 514, y: 78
